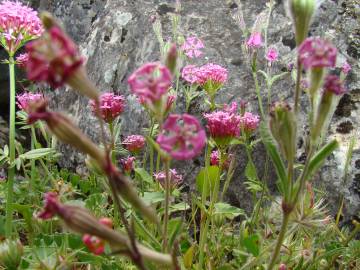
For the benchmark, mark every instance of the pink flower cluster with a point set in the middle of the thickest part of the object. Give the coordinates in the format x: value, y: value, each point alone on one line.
x: 272, y: 55
x: 346, y: 68
x: 223, y: 124
x: 95, y: 244
x: 249, y: 122
x: 315, y: 52
x: 134, y: 143
x: 52, y: 206
x: 215, y: 159
x: 182, y: 136
x: 18, y: 24
x: 175, y: 178
x: 334, y: 85
x: 254, y: 40
x: 24, y: 100
x: 150, y: 82
x: 110, y: 105
x: 192, y: 47
x: 207, y: 74
x: 22, y: 60
x: 53, y: 58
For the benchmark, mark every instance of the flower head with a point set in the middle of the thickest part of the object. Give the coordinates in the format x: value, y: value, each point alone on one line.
x: 315, y: 52
x: 151, y: 81
x: 53, y: 58
x: 22, y: 60
x: 182, y: 136
x: 134, y: 143
x: 249, y: 122
x: 189, y: 74
x: 128, y: 164
x: 334, y: 84
x: 192, y: 47
x: 272, y: 55
x: 52, y: 206
x: 18, y: 25
x: 223, y: 125
x: 255, y: 40
x: 211, y: 77
x: 215, y: 159
x: 24, y: 100
x: 346, y: 68
x: 175, y: 178
x: 110, y: 105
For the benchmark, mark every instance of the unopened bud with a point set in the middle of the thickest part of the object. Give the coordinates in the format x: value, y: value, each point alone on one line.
x: 171, y: 58
x: 282, y: 266
x: 10, y: 254
x: 283, y: 128
x: 301, y: 12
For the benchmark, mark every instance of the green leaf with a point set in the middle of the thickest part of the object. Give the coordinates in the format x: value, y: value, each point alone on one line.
x: 274, y: 154
x: 276, y: 78
x: 153, y: 197
x: 175, y: 225
x: 318, y: 159
x: 251, y: 243
x: 266, y: 77
x: 206, y: 179
x: 182, y: 206
x: 37, y: 153
x: 188, y: 257
x: 228, y: 210
x: 144, y: 175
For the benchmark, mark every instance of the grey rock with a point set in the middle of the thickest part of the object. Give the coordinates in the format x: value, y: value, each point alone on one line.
x: 116, y: 37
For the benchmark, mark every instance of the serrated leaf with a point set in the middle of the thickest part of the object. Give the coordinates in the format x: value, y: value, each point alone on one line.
x: 251, y: 243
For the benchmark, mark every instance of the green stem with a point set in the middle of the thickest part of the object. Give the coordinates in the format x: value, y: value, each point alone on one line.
x: 257, y: 87
x: 32, y: 162
x: 167, y: 204
x: 11, y: 171
x: 297, y: 87
x: 113, y: 154
x: 275, y: 255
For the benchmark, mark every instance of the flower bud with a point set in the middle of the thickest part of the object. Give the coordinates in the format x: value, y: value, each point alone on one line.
x: 333, y: 89
x: 10, y: 254
x: 301, y: 12
x: 282, y: 266
x: 171, y: 58
x: 283, y: 128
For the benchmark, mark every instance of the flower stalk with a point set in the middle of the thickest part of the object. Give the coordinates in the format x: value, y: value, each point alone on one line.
x: 11, y: 170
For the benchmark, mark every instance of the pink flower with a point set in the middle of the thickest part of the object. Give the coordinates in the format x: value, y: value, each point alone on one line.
x: 192, y: 47
x: 151, y: 81
x: 223, y: 125
x: 249, y: 122
x: 211, y: 74
x: 315, y: 52
x: 22, y: 60
x: 255, y: 40
x: 134, y: 143
x: 334, y: 84
x: 175, y: 178
x: 24, y: 100
x: 18, y: 25
x: 272, y: 55
x: 111, y: 106
x: 189, y: 74
x: 53, y: 58
x: 52, y: 206
x: 128, y: 164
x: 182, y: 136
x: 95, y: 244
x: 346, y: 68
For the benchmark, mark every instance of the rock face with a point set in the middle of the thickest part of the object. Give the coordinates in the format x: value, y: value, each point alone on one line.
x: 116, y: 36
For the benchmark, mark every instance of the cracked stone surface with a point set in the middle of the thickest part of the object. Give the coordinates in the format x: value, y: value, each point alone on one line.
x: 116, y: 37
